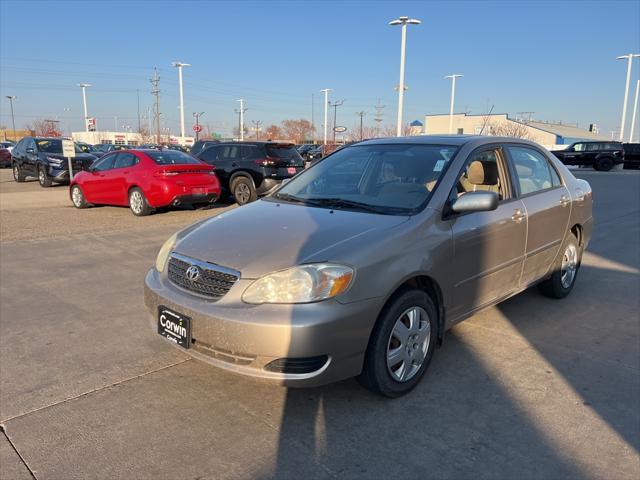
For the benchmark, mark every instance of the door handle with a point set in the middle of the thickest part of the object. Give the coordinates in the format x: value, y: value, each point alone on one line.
x: 518, y: 216
x: 564, y: 200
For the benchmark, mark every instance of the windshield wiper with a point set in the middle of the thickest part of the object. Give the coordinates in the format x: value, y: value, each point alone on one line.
x: 343, y: 203
x: 287, y: 197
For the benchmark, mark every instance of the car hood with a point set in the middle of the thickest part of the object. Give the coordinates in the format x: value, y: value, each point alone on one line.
x: 266, y: 236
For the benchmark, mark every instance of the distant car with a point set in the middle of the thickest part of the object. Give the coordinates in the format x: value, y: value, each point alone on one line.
x: 5, y: 157
x: 8, y: 145
x: 42, y: 158
x: 200, y: 145
x: 599, y: 155
x: 110, y: 147
x: 180, y: 148
x: 248, y: 170
x: 88, y: 148
x: 145, y: 180
x: 631, y: 155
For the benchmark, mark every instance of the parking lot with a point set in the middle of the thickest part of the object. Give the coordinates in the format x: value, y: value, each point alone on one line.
x: 532, y: 388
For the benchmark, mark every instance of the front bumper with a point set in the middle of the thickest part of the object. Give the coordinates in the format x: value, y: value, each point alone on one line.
x: 244, y: 338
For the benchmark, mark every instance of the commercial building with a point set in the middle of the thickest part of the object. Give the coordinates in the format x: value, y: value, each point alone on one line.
x: 550, y: 135
x: 128, y: 138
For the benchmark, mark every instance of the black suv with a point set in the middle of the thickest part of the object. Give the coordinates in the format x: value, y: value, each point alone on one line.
x: 42, y: 158
x: 249, y: 169
x: 599, y: 155
x: 631, y: 155
x: 201, y: 145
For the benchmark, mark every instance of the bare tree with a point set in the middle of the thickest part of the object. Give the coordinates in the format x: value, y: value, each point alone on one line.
x: 390, y: 131
x: 510, y: 129
x: 44, y: 128
x: 272, y: 132
x: 298, y: 130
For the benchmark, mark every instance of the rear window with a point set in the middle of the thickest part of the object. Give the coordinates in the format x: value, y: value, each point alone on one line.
x: 282, y: 151
x: 172, y: 157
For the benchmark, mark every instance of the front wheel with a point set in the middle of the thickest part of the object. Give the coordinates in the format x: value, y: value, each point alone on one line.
x: 565, y: 271
x: 43, y: 179
x: 18, y: 176
x: 401, y: 345
x: 138, y: 203
x: 77, y: 197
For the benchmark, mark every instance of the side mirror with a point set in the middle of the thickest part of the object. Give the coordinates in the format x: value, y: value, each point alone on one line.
x: 475, y: 202
x: 31, y: 150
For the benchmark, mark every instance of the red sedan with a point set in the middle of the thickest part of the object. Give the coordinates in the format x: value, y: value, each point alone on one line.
x: 145, y: 180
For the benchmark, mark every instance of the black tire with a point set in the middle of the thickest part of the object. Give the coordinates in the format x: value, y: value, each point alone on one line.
x: 243, y: 190
x: 43, y: 178
x: 18, y: 176
x: 77, y: 197
x: 138, y: 203
x: 604, y: 164
x: 555, y: 286
x: 376, y: 375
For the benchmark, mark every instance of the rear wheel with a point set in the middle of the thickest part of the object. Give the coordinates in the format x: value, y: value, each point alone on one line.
x: 604, y: 164
x: 243, y: 190
x: 77, y: 197
x: 401, y: 345
x: 138, y: 203
x: 18, y: 176
x: 565, y: 271
x: 43, y: 178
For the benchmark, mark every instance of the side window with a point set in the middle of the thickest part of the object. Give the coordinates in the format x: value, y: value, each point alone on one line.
x: 533, y: 170
x: 210, y: 155
x: 250, y: 152
x: 19, y: 148
x: 578, y: 147
x: 482, y: 172
x: 31, y: 143
x: 594, y: 147
x: 230, y: 152
x: 125, y: 160
x: 105, y: 163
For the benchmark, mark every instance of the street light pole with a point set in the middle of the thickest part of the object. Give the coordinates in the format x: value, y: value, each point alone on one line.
x: 335, y: 106
x: 453, y: 96
x: 403, y: 21
x: 180, y: 65
x: 198, y: 115
x: 84, y: 86
x: 13, y: 122
x: 629, y: 58
x: 326, y: 112
x: 635, y: 111
x: 241, y: 118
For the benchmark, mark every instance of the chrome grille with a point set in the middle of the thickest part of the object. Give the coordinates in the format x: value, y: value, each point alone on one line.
x: 213, y: 281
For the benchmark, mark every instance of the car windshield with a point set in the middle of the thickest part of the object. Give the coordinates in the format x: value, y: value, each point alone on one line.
x: 388, y: 179
x: 171, y: 157
x: 53, y: 146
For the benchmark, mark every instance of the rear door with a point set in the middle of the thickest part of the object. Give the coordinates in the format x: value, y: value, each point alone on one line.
x: 574, y: 156
x: 488, y: 246
x: 30, y: 157
x: 547, y: 206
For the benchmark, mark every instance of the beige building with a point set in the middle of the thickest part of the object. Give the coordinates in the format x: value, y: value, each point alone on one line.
x: 127, y: 138
x: 549, y: 135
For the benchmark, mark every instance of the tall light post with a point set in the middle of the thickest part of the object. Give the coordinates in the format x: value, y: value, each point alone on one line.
x: 241, y: 118
x: 629, y: 58
x: 180, y: 65
x: 198, y: 115
x: 453, y: 96
x: 635, y: 111
x: 13, y: 122
x: 403, y: 21
x: 326, y: 112
x: 84, y: 87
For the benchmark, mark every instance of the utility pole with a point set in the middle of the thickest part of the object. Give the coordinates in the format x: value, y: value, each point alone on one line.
x: 197, y: 115
x: 155, y: 82
x: 378, y: 117
x: 335, y: 106
x: 256, y: 127
x: 453, y: 96
x: 240, y: 113
x: 403, y: 21
x: 629, y: 57
x: 326, y: 108
x: 13, y: 122
x: 635, y: 111
x: 179, y: 65
x: 138, y: 97
x: 84, y: 86
x: 361, y: 115
x: 313, y: 128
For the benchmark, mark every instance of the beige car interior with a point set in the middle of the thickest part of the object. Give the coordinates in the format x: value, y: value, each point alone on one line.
x: 481, y: 175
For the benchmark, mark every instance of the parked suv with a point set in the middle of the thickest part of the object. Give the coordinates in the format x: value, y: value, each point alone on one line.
x: 250, y: 169
x: 631, y: 155
x: 42, y: 158
x: 599, y: 155
x: 201, y: 145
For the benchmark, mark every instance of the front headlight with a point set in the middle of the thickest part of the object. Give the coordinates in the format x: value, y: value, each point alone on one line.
x: 55, y: 161
x: 302, y: 284
x: 163, y: 254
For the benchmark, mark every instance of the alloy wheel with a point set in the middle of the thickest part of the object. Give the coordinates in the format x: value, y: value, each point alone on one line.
x: 242, y: 193
x: 41, y: 176
x: 408, y: 344
x: 136, y: 201
x: 569, y: 265
x: 76, y: 196
x: 16, y: 172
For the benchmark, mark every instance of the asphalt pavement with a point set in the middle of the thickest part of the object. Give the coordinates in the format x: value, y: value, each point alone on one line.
x: 531, y: 388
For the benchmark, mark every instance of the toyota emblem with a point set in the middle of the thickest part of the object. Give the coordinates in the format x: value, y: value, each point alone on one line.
x: 193, y: 273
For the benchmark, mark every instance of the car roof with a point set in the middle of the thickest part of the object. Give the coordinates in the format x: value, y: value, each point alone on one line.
x: 455, y: 140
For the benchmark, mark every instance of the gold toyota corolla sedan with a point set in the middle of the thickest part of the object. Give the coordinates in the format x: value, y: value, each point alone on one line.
x: 358, y: 265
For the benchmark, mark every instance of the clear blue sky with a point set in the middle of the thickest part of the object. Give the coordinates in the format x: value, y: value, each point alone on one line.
x: 555, y: 58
